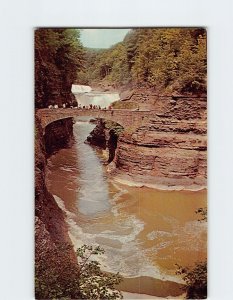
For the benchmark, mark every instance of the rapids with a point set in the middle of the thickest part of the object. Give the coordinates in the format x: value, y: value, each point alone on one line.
x: 86, y: 96
x: 144, y: 231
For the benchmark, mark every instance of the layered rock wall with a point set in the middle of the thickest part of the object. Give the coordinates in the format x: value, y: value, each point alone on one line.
x: 51, y: 232
x: 58, y: 135
x: 170, y: 147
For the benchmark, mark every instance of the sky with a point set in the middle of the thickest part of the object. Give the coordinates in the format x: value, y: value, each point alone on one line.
x: 102, y: 38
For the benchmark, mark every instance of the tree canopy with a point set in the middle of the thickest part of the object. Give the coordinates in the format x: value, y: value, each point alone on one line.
x: 59, y: 55
x: 57, y: 276
x: 170, y: 58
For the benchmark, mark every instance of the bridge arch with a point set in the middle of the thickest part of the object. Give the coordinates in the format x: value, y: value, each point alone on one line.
x: 126, y: 118
x: 51, y: 118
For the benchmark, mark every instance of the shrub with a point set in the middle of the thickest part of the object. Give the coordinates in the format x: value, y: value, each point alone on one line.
x: 58, y: 276
x: 195, y: 280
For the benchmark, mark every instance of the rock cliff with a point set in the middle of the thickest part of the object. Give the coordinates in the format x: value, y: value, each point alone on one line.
x: 170, y: 148
x: 58, y: 135
x: 51, y: 232
x: 105, y: 135
x: 167, y: 148
x: 98, y: 135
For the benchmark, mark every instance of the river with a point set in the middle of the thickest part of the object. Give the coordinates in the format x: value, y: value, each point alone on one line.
x: 144, y: 231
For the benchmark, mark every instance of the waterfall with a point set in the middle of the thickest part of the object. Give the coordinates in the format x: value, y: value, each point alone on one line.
x: 85, y: 96
x: 97, y: 98
x: 77, y: 89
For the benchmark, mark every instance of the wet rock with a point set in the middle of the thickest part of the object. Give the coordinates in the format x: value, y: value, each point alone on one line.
x: 97, y: 136
x: 111, y: 167
x: 58, y: 135
x: 50, y: 227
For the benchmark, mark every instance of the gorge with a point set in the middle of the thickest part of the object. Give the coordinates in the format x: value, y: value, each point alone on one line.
x: 169, y: 142
x: 88, y: 194
x: 121, y: 164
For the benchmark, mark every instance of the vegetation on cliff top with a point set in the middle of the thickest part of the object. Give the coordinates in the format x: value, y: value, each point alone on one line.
x: 167, y: 58
x: 170, y: 59
x: 59, y: 55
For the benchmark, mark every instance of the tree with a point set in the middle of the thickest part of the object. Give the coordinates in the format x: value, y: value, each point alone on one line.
x: 59, y: 276
x: 94, y: 283
x: 195, y: 277
x: 195, y: 280
x: 59, y: 56
x: 56, y: 272
x: 172, y: 59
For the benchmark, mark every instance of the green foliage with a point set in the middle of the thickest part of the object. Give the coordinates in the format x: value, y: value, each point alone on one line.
x: 59, y: 55
x: 169, y: 58
x: 195, y: 279
x: 94, y: 283
x: 56, y: 274
x: 173, y: 59
x: 109, y: 66
x: 59, y: 276
x: 113, y: 127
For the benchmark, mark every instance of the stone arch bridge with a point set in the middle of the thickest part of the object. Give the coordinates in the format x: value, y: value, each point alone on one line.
x: 126, y: 118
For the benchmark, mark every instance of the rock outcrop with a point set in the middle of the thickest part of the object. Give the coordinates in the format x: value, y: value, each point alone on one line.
x: 105, y: 136
x: 170, y: 148
x: 58, y: 135
x: 98, y: 135
x: 51, y: 232
x: 46, y: 208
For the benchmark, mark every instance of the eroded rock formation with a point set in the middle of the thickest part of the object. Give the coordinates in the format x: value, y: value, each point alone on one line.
x: 170, y: 148
x: 98, y: 135
x: 51, y: 232
x: 105, y: 136
x: 58, y: 135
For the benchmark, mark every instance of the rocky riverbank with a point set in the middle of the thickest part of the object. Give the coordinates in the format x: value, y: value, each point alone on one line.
x: 169, y: 150
x: 52, y: 243
x: 46, y: 209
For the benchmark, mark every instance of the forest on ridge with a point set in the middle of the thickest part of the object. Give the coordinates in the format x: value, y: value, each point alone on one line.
x: 167, y: 59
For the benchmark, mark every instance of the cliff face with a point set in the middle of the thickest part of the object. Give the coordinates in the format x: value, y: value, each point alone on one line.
x: 52, y: 243
x: 98, y: 135
x: 168, y: 149
x: 56, y: 65
x: 105, y: 136
x: 58, y: 135
x: 51, y: 86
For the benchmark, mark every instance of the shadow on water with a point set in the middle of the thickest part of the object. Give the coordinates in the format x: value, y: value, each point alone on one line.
x: 144, y: 231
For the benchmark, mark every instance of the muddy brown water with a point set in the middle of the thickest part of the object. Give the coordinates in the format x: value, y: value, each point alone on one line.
x: 144, y: 231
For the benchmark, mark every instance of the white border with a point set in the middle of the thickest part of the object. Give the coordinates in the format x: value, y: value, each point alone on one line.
x: 16, y: 152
